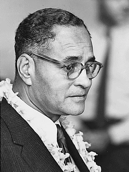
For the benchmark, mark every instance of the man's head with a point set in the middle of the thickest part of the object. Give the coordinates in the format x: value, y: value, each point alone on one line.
x: 59, y: 87
x: 114, y: 12
x: 35, y: 31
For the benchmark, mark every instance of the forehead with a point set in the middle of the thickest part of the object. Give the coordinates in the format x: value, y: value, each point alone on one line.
x: 71, y: 41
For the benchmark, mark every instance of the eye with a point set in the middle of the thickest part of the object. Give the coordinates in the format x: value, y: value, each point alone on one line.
x: 71, y: 67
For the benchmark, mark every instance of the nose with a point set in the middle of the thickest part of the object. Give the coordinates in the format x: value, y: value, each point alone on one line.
x: 82, y: 80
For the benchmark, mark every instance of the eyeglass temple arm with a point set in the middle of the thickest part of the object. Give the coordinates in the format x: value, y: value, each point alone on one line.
x: 47, y: 58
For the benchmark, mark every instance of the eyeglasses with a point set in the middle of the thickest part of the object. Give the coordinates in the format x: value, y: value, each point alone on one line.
x: 74, y: 69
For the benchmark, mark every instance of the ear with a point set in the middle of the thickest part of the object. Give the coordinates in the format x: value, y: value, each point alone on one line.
x: 25, y: 66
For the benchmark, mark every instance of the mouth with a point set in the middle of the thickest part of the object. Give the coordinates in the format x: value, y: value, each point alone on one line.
x: 81, y: 94
x: 79, y: 97
x: 84, y: 95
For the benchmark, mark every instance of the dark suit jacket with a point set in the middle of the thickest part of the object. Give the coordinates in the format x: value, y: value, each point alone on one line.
x: 23, y: 151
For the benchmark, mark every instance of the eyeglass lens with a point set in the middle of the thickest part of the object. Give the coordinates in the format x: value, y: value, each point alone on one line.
x: 91, y: 70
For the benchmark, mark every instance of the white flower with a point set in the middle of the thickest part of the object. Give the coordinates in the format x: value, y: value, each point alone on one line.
x: 5, y: 88
x: 6, y: 91
x: 81, y: 146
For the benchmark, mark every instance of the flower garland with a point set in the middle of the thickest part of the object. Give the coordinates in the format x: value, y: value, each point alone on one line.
x: 81, y: 146
x: 77, y: 138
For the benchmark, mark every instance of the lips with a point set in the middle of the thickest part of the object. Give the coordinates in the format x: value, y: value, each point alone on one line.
x: 79, y: 95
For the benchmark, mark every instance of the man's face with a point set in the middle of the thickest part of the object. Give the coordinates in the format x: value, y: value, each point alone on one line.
x: 52, y: 92
x: 117, y: 10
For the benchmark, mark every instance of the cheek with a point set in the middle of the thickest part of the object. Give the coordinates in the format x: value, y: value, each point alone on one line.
x: 58, y: 92
x: 52, y: 88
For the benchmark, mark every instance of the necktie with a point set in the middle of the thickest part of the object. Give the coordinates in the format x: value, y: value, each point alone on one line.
x: 62, y: 142
x: 101, y: 102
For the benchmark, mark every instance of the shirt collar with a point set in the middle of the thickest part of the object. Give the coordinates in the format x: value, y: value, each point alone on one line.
x: 41, y: 124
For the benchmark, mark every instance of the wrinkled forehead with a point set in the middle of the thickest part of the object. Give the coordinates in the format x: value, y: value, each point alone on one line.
x: 71, y: 39
x: 71, y: 34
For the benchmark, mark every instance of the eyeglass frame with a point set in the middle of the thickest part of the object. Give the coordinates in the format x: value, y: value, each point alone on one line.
x: 62, y: 65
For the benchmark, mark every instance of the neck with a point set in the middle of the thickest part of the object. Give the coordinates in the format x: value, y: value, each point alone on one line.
x: 22, y: 89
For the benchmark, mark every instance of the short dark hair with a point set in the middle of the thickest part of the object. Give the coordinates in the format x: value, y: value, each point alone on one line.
x: 36, y: 29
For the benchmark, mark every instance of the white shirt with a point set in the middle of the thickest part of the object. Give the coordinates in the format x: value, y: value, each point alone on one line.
x: 41, y: 124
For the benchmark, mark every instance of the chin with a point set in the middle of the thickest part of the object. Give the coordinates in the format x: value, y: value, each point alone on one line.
x: 72, y: 108
x: 76, y: 111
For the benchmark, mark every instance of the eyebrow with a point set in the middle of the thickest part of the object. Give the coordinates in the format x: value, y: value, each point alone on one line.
x: 75, y: 58
x: 71, y: 58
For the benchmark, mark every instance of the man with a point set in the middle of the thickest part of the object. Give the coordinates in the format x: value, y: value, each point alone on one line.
x: 106, y: 127
x: 55, y: 65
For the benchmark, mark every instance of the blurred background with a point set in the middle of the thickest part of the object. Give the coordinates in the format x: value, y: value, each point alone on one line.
x: 12, y: 12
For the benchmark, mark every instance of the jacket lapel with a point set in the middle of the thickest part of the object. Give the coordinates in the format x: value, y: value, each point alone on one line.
x: 34, y: 152
x: 74, y: 153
